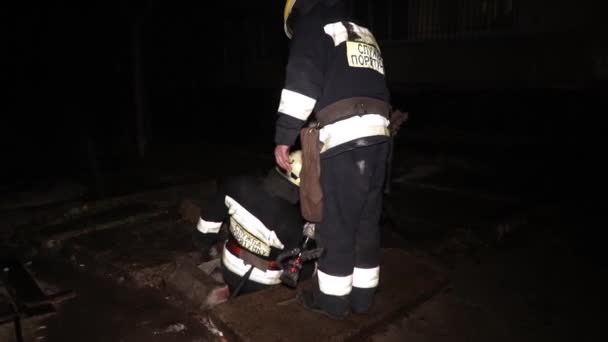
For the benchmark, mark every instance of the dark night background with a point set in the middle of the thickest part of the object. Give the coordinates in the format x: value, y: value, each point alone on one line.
x: 113, y: 112
x: 124, y: 95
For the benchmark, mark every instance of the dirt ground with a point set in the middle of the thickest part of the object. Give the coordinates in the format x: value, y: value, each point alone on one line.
x: 537, y: 290
x: 523, y: 265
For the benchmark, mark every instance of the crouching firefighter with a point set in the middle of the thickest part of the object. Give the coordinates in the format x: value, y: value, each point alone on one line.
x: 264, y: 224
x: 335, y: 72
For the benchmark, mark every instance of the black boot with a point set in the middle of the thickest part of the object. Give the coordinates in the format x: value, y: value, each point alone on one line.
x: 334, y: 307
x: 361, y: 300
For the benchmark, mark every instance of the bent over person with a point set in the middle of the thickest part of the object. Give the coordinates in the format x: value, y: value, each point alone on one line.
x: 263, y: 221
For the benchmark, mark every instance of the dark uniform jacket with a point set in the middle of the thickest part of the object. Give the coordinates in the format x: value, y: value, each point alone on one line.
x: 259, y: 221
x: 331, y: 58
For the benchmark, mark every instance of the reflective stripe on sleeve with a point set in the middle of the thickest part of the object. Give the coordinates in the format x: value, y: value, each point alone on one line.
x: 207, y: 227
x: 296, y: 105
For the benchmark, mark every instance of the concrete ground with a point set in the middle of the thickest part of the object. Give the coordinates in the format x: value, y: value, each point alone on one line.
x: 517, y: 265
x: 406, y: 282
x: 537, y: 291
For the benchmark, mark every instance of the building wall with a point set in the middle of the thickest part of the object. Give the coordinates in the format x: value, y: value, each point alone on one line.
x: 527, y: 61
x: 490, y: 43
x: 436, y: 43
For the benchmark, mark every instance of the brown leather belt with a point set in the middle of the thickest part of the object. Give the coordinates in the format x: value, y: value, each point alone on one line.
x: 354, y: 106
x: 249, y: 258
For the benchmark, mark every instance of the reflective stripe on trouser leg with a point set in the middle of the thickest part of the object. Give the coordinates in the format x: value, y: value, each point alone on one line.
x: 336, y: 233
x: 346, y: 179
x: 366, y: 274
x: 366, y: 278
x: 334, y: 285
x: 365, y: 282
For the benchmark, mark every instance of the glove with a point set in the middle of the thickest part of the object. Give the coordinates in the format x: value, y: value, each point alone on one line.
x: 309, y: 230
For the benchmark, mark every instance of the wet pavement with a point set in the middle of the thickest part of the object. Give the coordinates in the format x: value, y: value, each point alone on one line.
x: 537, y: 290
x: 514, y: 268
x: 103, y: 311
x: 406, y: 281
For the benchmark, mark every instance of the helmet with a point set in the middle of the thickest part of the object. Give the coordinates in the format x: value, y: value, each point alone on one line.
x: 295, y: 159
x: 302, y: 7
x: 286, y: 13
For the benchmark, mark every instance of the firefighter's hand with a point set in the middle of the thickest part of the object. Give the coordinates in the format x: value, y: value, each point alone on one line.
x: 309, y: 230
x: 281, y: 155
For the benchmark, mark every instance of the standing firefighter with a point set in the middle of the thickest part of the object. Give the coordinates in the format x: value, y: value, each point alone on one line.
x: 335, y: 70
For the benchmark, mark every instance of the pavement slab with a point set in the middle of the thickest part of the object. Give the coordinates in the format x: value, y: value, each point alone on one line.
x: 140, y: 252
x: 54, y: 236
x: 159, y: 255
x: 105, y: 311
x: 406, y: 281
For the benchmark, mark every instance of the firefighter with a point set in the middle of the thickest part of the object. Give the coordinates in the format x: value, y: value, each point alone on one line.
x: 263, y: 220
x: 336, y: 71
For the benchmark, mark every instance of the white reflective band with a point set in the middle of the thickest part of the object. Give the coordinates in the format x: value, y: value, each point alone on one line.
x: 333, y: 285
x: 206, y: 227
x: 295, y: 104
x: 366, y: 278
x: 353, y: 128
x: 252, y: 224
x: 338, y: 33
x: 238, y: 266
